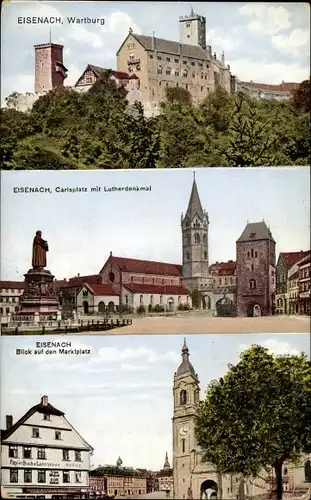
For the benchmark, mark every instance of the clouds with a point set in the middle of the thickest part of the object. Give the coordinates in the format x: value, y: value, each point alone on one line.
x: 265, y: 18
x: 276, y: 347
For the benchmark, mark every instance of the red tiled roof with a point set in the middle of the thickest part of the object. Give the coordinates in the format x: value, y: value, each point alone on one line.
x: 134, y: 77
x: 12, y: 284
x: 100, y: 289
x: 121, y: 75
x: 290, y: 258
x: 284, y: 86
x: 154, y: 289
x: 81, y: 280
x: 225, y: 268
x: 147, y: 266
x: 60, y: 284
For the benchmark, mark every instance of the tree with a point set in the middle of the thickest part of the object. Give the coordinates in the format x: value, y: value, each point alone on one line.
x: 302, y: 97
x: 258, y: 416
x: 14, y: 127
x: 178, y: 96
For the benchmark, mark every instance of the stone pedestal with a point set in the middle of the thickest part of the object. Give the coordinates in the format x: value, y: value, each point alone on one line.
x: 39, y: 294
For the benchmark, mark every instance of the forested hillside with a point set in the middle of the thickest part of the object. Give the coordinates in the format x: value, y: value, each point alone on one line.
x: 94, y: 130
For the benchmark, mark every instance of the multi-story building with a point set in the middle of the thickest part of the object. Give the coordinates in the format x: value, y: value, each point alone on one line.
x: 165, y: 476
x: 10, y: 293
x: 285, y: 262
x: 117, y: 480
x: 305, y: 285
x: 194, y: 478
x: 43, y: 456
x: 255, y: 270
x: 188, y: 64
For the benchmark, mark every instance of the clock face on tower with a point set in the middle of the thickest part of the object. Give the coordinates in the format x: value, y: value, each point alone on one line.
x: 183, y: 430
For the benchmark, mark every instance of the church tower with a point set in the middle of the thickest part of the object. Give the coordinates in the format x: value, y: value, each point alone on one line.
x: 186, y: 394
x: 194, y: 227
x: 193, y: 30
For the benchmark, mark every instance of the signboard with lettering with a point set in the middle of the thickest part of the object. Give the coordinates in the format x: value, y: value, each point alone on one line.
x: 46, y: 464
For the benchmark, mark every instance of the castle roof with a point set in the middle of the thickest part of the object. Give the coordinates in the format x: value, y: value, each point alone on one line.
x: 101, y: 289
x: 291, y: 258
x: 194, y: 206
x: 170, y: 47
x: 146, y: 266
x: 185, y: 367
x: 256, y: 231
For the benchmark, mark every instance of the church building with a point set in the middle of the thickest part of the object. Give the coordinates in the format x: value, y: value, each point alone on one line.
x: 194, y: 479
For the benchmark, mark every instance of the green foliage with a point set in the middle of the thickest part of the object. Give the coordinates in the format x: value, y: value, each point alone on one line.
x: 258, y: 416
x: 99, y: 130
x: 141, y: 310
x: 302, y: 97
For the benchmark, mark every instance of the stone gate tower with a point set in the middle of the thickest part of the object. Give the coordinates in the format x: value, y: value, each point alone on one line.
x: 194, y: 242
x: 186, y: 393
x: 193, y: 29
x: 49, y: 69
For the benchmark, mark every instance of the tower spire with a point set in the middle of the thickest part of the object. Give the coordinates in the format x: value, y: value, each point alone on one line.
x: 166, y: 462
x: 194, y: 206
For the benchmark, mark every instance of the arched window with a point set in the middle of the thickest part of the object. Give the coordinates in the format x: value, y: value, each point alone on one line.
x: 185, y: 73
x: 202, y: 76
x: 168, y: 71
x: 161, y: 299
x: 205, y: 239
x: 196, y: 238
x: 252, y: 284
x: 160, y: 70
x: 187, y: 255
x: 179, y: 299
x: 111, y: 277
x: 183, y: 445
x: 141, y: 300
x: 248, y: 255
x: 151, y: 299
x: 205, y: 255
x: 183, y: 397
x: 252, y: 253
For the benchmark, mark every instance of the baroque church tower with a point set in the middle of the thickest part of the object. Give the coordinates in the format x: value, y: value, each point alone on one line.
x: 194, y: 227
x: 186, y: 393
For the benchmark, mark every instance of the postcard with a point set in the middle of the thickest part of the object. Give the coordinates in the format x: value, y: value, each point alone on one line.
x: 166, y: 251
x: 101, y: 85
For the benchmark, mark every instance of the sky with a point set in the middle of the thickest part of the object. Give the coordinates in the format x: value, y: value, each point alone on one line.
x: 119, y: 398
x: 265, y: 42
x: 83, y: 228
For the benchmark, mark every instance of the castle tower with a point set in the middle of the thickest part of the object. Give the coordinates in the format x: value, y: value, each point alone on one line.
x: 194, y: 241
x: 255, y: 270
x: 193, y: 29
x: 50, y: 72
x: 186, y: 394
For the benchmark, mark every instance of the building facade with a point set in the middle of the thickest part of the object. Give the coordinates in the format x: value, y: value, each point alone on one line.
x: 305, y: 285
x: 165, y: 477
x: 195, y: 479
x: 255, y: 270
x: 10, y: 293
x: 43, y: 455
x: 265, y: 91
x: 117, y: 480
x: 285, y: 269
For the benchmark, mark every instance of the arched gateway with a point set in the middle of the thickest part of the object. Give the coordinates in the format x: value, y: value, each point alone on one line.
x: 208, y: 490
x: 253, y: 310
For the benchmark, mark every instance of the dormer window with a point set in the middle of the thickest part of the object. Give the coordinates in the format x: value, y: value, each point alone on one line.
x: 252, y: 235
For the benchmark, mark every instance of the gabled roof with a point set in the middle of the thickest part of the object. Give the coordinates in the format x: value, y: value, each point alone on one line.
x: 256, y: 231
x: 290, y: 258
x: 145, y: 266
x: 194, y: 206
x: 99, y: 71
x: 40, y: 408
x: 282, y: 87
x: 12, y: 284
x: 100, y: 289
x: 155, y: 289
x: 169, y: 47
x: 78, y: 281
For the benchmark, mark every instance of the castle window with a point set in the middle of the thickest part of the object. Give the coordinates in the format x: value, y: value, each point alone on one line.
x: 192, y: 63
x: 201, y: 89
x: 168, y: 71
x: 159, y: 58
x: 183, y: 445
x: 204, y: 238
x: 252, y: 284
x: 188, y: 25
x: 176, y: 60
x: 150, y: 56
x: 252, y: 267
x: 187, y: 255
x: 252, y: 253
x: 207, y: 66
x: 185, y: 73
x: 183, y: 397
x: 184, y: 62
x: 248, y: 255
x: 205, y: 255
x: 168, y: 59
x: 256, y: 254
x: 205, y: 76
x: 176, y: 73
x: 141, y: 300
x: 160, y: 70
x: 193, y: 74
x: 196, y: 238
x: 200, y: 64
x: 202, y: 76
